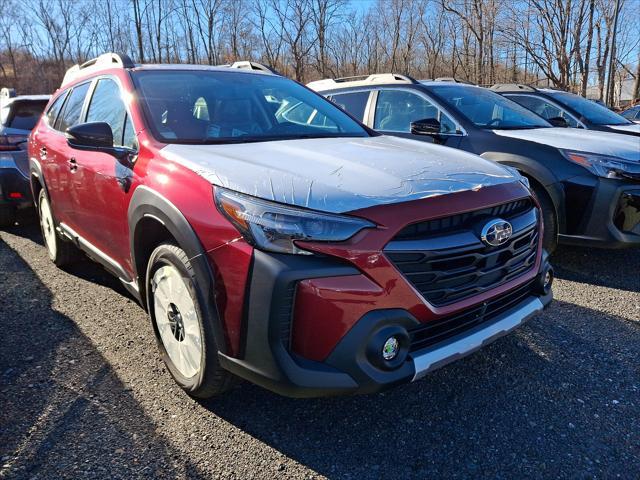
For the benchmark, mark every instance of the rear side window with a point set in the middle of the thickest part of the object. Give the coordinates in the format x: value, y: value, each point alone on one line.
x: 54, y: 110
x: 396, y: 109
x: 70, y: 115
x: 24, y: 114
x: 107, y: 106
x: 354, y: 103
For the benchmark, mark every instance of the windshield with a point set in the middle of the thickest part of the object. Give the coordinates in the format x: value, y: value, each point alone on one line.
x: 590, y: 111
x: 185, y: 106
x: 486, y: 109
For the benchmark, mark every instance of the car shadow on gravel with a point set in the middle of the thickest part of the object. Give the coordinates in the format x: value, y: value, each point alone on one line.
x: 84, y: 268
x: 558, y: 398
x: 64, y: 412
x: 607, y: 268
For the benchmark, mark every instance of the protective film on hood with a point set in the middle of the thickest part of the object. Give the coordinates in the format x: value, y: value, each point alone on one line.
x: 339, y: 174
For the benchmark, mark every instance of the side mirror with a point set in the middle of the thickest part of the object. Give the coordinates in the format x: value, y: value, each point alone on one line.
x: 558, y: 122
x: 90, y: 136
x: 98, y: 137
x: 426, y: 126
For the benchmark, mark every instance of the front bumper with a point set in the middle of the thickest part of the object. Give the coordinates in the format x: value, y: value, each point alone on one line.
x: 268, y: 360
x: 15, y: 189
x: 602, y: 213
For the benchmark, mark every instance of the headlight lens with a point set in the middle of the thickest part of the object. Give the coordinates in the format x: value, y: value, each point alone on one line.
x: 274, y: 227
x: 603, y: 165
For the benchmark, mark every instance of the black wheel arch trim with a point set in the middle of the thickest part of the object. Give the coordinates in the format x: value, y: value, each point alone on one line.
x: 147, y: 203
x: 545, y: 177
x: 35, y: 173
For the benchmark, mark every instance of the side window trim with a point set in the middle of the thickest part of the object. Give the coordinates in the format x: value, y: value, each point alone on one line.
x: 460, y: 130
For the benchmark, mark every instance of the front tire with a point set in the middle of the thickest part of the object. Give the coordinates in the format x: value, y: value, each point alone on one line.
x: 183, y: 333
x: 61, y: 252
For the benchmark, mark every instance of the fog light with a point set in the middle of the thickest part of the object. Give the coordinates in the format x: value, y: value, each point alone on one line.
x: 390, y: 348
x: 548, y: 280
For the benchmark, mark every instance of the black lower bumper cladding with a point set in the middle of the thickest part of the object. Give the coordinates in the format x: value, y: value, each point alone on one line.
x: 350, y: 368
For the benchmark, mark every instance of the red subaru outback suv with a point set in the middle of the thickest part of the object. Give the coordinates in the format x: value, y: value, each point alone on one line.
x: 273, y: 237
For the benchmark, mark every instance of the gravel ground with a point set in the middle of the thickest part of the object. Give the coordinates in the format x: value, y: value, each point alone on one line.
x: 84, y: 395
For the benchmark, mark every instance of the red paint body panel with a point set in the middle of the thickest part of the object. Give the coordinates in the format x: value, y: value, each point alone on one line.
x: 319, y: 323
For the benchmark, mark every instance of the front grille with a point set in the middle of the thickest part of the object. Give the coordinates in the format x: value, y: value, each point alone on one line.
x: 439, y: 330
x: 440, y: 226
x: 452, y: 263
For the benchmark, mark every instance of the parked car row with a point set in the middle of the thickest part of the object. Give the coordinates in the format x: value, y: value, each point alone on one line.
x: 588, y: 182
x: 311, y: 249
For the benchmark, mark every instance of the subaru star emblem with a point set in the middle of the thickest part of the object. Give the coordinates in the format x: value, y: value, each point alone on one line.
x: 496, y: 232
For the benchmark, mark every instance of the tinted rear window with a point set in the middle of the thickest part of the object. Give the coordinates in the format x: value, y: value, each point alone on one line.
x: 23, y: 114
x: 354, y: 103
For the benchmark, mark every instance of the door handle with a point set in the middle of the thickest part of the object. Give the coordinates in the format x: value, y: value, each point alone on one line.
x: 43, y: 153
x: 73, y: 164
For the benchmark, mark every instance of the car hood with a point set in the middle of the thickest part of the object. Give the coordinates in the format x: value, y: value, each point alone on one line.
x: 633, y: 128
x: 616, y: 145
x: 339, y: 174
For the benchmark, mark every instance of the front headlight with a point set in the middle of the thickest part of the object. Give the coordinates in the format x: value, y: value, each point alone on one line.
x: 603, y: 165
x: 275, y: 227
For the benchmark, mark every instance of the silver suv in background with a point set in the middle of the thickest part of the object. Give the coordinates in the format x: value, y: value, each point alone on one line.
x: 18, y: 115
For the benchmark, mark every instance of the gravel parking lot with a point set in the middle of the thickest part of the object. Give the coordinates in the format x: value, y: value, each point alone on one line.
x: 83, y: 393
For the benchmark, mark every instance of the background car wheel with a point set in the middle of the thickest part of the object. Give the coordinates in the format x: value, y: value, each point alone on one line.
x: 550, y: 238
x: 7, y: 216
x: 185, y: 336
x: 60, y: 251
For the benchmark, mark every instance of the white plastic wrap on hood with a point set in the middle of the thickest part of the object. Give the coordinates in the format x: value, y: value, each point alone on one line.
x: 615, y: 145
x: 339, y: 174
x: 634, y: 127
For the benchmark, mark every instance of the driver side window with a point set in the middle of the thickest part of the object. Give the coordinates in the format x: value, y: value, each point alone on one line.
x: 107, y: 106
x: 396, y: 109
x: 543, y: 108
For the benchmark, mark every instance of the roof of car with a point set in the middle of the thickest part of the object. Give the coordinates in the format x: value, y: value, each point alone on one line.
x: 379, y: 79
x: 113, y: 60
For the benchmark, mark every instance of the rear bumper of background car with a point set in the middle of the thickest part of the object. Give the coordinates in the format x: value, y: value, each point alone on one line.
x: 269, y: 360
x: 606, y: 213
x: 14, y: 185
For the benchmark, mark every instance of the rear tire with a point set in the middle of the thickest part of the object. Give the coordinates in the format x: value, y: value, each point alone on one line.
x: 183, y: 333
x: 61, y: 252
x: 7, y: 216
x: 550, y: 237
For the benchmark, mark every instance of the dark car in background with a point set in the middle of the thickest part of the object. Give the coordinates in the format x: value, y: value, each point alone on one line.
x: 568, y: 109
x: 588, y: 182
x: 18, y: 115
x: 632, y: 114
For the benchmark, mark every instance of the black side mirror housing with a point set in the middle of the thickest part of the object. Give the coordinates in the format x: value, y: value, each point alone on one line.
x: 426, y: 126
x: 558, y: 122
x: 98, y: 137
